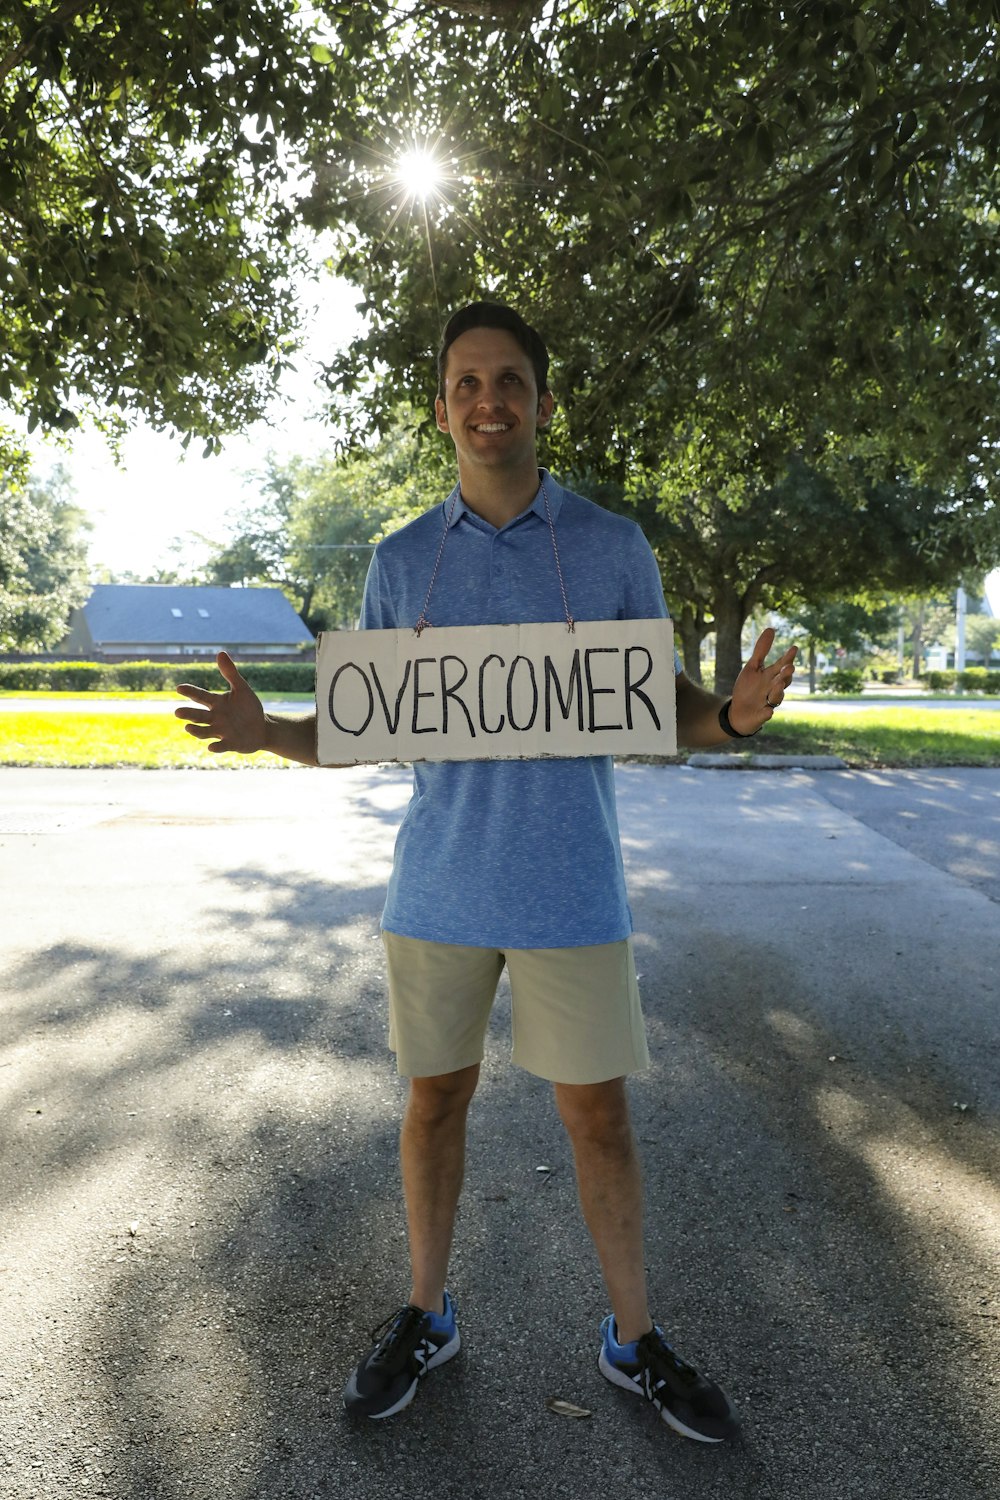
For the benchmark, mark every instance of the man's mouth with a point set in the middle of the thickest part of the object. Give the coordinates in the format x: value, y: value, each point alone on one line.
x: 492, y: 426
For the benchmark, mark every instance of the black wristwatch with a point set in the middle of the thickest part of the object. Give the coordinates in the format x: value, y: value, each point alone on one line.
x: 727, y: 728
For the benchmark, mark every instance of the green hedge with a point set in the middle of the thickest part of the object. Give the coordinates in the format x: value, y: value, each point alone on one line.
x: 149, y: 676
x: 979, y: 680
x: 972, y: 680
x: 842, y: 680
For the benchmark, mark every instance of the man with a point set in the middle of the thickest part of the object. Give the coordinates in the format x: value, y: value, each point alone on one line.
x: 514, y: 862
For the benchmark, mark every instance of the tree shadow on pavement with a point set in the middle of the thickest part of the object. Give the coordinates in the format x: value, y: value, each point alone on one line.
x: 204, y: 1222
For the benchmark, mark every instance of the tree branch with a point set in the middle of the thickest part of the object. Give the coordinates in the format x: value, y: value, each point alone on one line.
x: 54, y: 18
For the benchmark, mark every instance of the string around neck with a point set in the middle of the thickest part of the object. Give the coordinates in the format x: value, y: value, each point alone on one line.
x: 423, y: 622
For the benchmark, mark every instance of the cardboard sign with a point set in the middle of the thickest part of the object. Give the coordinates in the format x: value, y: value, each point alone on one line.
x: 496, y: 692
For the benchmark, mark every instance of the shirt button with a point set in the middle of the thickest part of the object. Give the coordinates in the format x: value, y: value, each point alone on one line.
x: 498, y: 572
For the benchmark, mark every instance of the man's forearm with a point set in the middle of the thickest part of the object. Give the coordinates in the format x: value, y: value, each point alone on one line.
x: 698, y: 726
x: 291, y: 738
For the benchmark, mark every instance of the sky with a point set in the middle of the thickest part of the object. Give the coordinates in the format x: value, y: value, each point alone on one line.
x: 159, y: 494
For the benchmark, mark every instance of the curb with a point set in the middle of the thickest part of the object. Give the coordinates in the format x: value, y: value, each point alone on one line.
x: 747, y: 761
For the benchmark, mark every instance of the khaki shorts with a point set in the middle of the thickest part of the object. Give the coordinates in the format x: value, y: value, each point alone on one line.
x: 575, y: 1012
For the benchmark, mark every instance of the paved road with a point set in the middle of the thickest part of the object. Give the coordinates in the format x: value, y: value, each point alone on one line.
x: 198, y: 1148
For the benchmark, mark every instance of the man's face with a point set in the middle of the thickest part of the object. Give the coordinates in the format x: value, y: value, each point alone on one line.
x: 491, y: 407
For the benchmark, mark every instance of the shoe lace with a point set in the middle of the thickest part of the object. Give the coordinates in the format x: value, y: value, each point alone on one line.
x: 397, y: 1336
x: 657, y: 1354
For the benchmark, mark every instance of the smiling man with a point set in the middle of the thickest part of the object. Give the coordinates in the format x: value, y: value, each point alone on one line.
x: 513, y: 863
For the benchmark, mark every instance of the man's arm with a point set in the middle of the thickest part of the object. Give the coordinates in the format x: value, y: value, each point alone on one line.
x: 235, y: 720
x: 757, y: 692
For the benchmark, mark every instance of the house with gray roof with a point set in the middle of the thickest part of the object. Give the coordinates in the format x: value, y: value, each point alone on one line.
x: 139, y: 620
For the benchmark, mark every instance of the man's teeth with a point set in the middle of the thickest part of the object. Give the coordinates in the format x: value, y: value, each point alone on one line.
x: 493, y: 427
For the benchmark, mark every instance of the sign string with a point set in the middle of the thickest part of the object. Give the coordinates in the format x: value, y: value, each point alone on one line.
x: 424, y: 622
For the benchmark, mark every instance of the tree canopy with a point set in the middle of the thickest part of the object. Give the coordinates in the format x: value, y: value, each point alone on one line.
x: 314, y: 526
x: 146, y: 212
x: 747, y: 230
x: 43, y: 558
x: 750, y: 233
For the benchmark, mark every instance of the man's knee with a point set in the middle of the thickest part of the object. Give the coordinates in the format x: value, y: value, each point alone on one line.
x: 439, y: 1097
x: 596, y: 1113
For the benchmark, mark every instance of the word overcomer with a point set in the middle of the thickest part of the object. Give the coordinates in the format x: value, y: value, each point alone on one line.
x: 496, y: 692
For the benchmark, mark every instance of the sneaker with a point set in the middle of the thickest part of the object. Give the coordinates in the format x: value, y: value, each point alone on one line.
x: 691, y: 1403
x: 414, y: 1342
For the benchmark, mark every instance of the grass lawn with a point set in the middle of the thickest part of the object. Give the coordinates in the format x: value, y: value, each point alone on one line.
x: 890, y: 737
x: 151, y: 741
x: 880, y: 737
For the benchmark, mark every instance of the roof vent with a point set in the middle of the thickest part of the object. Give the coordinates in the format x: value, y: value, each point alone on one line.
x: 177, y: 613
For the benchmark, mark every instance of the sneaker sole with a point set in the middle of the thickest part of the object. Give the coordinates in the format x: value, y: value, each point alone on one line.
x: 446, y: 1352
x: 611, y: 1372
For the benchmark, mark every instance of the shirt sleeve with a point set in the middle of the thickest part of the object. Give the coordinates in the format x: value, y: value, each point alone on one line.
x: 643, y: 590
x: 644, y: 587
x: 377, y: 612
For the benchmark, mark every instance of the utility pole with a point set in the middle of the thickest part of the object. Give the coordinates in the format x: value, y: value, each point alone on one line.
x: 960, y: 629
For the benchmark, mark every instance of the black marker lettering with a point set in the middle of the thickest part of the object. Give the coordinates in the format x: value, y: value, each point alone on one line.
x: 419, y: 662
x: 482, y: 703
x: 592, y: 691
x: 633, y: 687
x: 451, y: 691
x: 391, y: 721
x: 510, y: 692
x: 351, y: 666
x: 572, y: 687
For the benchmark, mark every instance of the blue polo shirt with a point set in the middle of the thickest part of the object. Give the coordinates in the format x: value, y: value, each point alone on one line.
x: 512, y: 853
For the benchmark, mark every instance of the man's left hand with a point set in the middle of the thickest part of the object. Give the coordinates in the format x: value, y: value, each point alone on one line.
x: 759, y: 688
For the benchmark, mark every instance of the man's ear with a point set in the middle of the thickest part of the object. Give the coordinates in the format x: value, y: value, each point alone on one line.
x: 545, y: 405
x: 440, y: 415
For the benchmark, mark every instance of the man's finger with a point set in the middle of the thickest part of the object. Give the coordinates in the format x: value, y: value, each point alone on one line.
x: 199, y: 695
x: 764, y: 643
x: 196, y: 715
x: 229, y: 670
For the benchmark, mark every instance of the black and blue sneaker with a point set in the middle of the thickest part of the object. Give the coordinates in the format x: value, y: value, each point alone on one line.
x: 691, y: 1403
x: 413, y: 1342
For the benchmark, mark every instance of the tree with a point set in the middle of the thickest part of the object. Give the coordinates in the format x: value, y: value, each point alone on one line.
x: 750, y: 235
x: 747, y: 230
x: 801, y: 543
x: 147, y: 226
x: 43, y: 562
x: 314, y: 528
x: 844, y: 625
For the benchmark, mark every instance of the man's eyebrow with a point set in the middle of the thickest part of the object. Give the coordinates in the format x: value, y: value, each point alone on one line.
x: 511, y: 369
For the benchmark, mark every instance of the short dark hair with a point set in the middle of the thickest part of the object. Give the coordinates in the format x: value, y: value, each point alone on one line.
x: 495, y: 315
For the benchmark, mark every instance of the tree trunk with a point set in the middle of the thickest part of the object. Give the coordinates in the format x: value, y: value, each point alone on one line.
x: 918, y: 639
x: 729, y: 617
x: 813, y: 653
x: 687, y: 625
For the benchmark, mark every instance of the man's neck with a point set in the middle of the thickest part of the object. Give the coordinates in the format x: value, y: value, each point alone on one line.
x: 498, y: 495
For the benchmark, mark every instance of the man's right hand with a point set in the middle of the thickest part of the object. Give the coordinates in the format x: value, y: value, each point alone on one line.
x: 232, y: 720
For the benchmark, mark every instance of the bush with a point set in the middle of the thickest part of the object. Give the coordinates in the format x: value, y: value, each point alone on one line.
x: 940, y: 682
x: 842, y: 680
x: 149, y: 676
x: 979, y: 680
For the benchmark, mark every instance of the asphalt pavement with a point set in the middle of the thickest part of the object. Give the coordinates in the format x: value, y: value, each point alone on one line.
x: 198, y: 1155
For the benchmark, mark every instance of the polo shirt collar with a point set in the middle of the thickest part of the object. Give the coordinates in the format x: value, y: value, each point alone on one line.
x: 455, y: 507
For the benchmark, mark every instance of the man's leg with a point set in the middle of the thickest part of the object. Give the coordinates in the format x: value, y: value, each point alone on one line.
x: 609, y: 1180
x: 432, y: 1154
